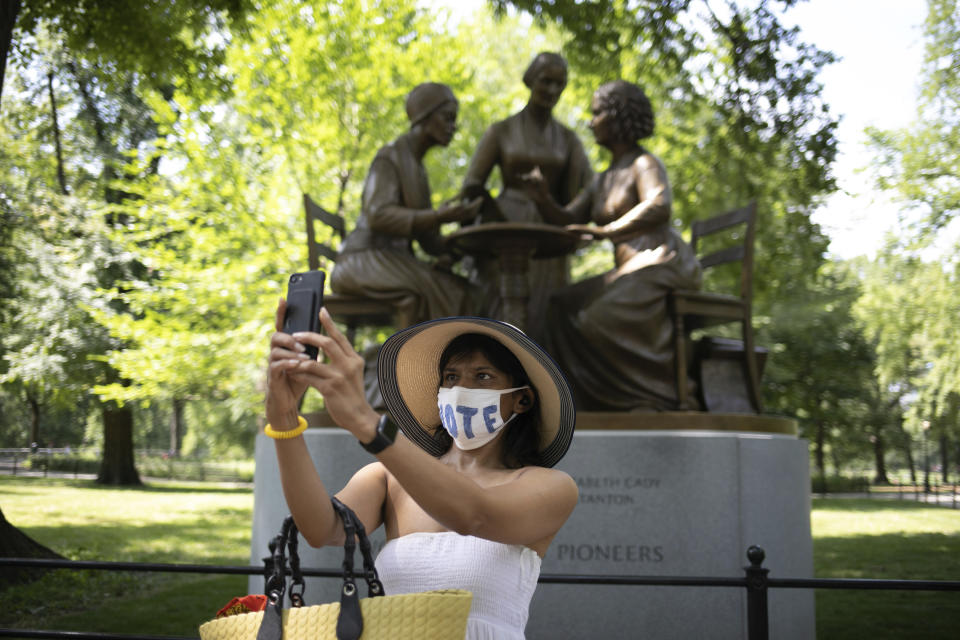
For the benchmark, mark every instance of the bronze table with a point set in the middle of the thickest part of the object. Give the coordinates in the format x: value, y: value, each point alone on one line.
x: 514, y: 244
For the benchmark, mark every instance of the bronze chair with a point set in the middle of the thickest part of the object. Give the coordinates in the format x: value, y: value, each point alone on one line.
x: 693, y: 310
x: 352, y: 311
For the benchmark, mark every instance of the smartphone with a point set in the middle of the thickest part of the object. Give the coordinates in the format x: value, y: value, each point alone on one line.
x: 304, y: 299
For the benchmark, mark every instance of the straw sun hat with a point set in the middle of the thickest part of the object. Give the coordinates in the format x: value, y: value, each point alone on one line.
x: 409, y: 379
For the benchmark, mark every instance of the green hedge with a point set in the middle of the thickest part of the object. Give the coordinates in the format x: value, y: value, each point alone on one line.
x: 63, y: 463
x: 153, y: 466
x: 840, y: 484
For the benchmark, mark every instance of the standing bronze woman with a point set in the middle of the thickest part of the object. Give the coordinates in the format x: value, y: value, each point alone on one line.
x: 528, y: 139
x: 612, y: 333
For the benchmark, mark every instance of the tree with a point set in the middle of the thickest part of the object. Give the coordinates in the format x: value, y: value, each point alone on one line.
x: 318, y: 89
x: 113, y: 53
x: 46, y: 335
x: 919, y: 163
x: 909, y: 309
x: 8, y: 18
x: 16, y: 544
x: 49, y: 335
x: 916, y: 334
x: 164, y: 42
x: 739, y: 114
x: 821, y: 367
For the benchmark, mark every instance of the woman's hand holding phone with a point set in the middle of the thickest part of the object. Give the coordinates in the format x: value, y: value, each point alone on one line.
x: 338, y: 376
x: 284, y: 386
x: 294, y: 364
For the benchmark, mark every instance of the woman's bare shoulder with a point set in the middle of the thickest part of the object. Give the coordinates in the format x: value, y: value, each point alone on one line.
x: 554, y: 479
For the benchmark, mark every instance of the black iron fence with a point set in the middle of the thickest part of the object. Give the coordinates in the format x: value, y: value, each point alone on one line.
x: 755, y: 580
x: 151, y: 463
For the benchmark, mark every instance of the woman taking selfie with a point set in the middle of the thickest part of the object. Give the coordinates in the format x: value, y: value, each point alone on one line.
x: 466, y: 495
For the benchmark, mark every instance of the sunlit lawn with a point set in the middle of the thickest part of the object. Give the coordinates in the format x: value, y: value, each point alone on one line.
x: 863, y: 538
x: 201, y: 523
x: 169, y: 522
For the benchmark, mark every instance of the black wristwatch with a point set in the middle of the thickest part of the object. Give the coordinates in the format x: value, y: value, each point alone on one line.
x: 386, y: 434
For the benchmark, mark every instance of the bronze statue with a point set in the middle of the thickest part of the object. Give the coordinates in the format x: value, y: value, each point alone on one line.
x: 612, y: 333
x: 376, y: 260
x: 531, y: 138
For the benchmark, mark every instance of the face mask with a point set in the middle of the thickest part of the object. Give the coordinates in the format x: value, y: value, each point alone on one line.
x: 472, y: 416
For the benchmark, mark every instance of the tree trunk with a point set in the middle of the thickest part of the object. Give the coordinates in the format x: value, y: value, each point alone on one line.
x: 819, y: 454
x: 879, y: 457
x: 61, y: 177
x: 176, y: 427
x: 944, y: 458
x: 16, y: 544
x: 9, y: 9
x: 117, y: 466
x: 34, y: 419
x: 907, y: 442
x: 956, y: 453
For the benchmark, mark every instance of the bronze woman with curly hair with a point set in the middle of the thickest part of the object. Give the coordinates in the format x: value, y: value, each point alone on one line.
x: 611, y: 333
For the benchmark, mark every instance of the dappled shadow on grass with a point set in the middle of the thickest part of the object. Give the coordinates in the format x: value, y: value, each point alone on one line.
x: 901, y: 556
x: 173, y: 607
x: 212, y: 487
x: 150, y: 487
x: 167, y: 604
x: 870, y: 505
x: 886, y: 615
x: 202, y: 541
x: 166, y: 523
x: 883, y: 615
x: 113, y: 601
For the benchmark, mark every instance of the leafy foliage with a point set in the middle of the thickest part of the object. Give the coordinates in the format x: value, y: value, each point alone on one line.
x: 910, y: 310
x: 820, y: 368
x: 318, y: 90
x: 190, y: 137
x: 919, y: 163
x: 163, y: 42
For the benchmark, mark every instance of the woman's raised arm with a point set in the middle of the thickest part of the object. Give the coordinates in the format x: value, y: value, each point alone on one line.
x: 306, y: 495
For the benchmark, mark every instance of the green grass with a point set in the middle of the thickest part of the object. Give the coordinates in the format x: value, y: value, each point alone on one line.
x: 164, y: 522
x: 864, y: 538
x: 149, y: 466
x: 203, y: 523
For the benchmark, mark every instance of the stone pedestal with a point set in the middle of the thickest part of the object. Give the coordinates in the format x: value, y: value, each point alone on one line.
x: 660, y: 495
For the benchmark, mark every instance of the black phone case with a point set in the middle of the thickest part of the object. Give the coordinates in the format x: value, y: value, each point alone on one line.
x: 304, y: 299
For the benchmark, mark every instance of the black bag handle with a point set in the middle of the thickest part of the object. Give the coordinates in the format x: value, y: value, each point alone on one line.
x: 374, y: 586
x: 271, y: 627
x: 350, y: 620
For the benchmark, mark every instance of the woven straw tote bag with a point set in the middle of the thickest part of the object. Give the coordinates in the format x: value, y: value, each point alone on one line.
x: 431, y: 615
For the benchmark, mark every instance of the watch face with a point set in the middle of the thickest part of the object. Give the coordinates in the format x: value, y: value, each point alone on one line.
x: 388, y: 427
x: 386, y: 433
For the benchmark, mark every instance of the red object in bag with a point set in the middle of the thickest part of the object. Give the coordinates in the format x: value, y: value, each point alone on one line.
x: 246, y: 604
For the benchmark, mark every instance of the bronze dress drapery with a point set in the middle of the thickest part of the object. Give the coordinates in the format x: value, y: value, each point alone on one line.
x: 517, y: 145
x: 612, y: 333
x: 377, y: 260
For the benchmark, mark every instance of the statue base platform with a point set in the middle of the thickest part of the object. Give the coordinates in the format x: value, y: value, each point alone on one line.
x: 661, y: 494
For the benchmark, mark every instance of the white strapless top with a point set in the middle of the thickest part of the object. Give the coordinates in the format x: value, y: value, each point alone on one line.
x: 502, y: 577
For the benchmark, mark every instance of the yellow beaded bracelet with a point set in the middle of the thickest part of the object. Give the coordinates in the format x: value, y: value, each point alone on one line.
x: 289, y: 433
